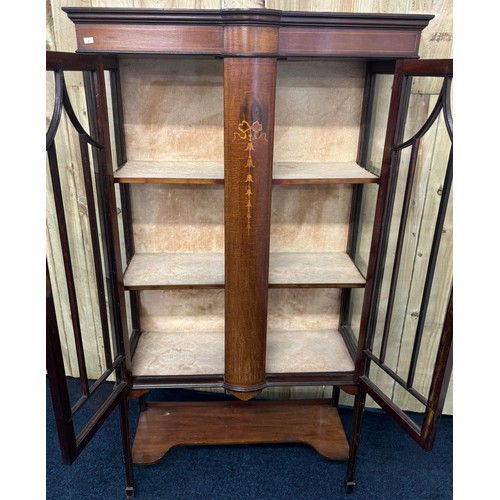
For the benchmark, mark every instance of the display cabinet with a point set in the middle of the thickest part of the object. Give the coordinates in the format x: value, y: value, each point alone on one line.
x: 241, y: 184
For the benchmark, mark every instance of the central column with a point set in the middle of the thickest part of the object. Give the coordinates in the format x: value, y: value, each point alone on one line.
x: 249, y: 97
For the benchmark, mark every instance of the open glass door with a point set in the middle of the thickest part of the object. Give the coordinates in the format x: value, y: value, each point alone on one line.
x: 88, y: 357
x: 405, y: 359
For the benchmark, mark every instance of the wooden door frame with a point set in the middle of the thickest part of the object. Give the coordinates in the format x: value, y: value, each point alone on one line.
x: 425, y: 434
x: 118, y: 361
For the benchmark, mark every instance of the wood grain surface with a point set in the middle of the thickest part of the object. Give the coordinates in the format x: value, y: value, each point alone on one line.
x: 165, y: 425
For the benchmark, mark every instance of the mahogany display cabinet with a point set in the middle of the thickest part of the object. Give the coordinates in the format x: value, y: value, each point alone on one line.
x: 248, y: 180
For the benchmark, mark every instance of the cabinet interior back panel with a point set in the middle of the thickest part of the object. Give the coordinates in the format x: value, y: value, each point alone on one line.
x: 199, y: 311
x: 182, y: 311
x: 173, y: 109
x: 318, y: 110
x: 310, y: 218
x: 185, y: 218
x: 177, y: 218
x: 303, y: 309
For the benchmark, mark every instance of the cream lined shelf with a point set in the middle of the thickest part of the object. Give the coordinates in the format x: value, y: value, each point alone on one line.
x: 313, y: 269
x: 151, y: 271
x: 171, y: 172
x: 202, y: 353
x: 321, y: 173
x: 206, y: 270
x: 199, y: 172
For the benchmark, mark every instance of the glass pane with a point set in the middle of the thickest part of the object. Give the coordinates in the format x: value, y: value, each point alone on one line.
x: 367, y: 204
x: 367, y: 194
x: 378, y: 123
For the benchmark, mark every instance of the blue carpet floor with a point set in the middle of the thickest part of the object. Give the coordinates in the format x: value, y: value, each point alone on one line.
x: 390, y: 467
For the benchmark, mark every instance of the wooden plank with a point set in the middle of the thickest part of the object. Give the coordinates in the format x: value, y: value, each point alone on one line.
x: 375, y: 6
x: 165, y: 425
x: 64, y: 39
x: 437, y: 38
x: 50, y: 35
x: 242, y: 4
x: 382, y: 6
x: 176, y: 4
x: 112, y: 3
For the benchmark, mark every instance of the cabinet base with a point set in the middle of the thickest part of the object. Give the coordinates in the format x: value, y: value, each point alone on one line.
x: 165, y: 425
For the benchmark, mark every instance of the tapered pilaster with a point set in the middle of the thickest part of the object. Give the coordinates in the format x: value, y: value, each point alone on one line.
x: 249, y: 88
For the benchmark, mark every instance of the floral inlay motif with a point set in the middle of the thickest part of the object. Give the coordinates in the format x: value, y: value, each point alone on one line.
x: 250, y: 133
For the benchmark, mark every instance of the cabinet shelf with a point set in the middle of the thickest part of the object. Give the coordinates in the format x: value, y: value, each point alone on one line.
x: 313, y: 269
x: 321, y: 173
x: 202, y: 353
x: 171, y: 172
x: 165, y: 425
x: 200, y: 172
x: 150, y: 271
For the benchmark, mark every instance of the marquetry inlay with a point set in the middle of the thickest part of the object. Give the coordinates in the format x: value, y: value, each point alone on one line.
x: 250, y: 133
